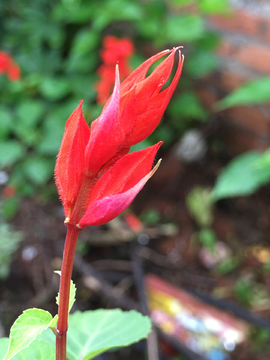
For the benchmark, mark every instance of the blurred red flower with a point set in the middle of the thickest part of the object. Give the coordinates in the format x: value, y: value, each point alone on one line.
x: 115, y: 50
x: 9, y: 66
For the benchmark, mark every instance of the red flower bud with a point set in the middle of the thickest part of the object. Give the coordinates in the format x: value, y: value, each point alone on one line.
x: 95, y: 177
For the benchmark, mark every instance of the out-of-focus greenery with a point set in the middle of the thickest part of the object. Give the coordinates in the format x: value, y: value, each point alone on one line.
x: 243, y: 175
x: 9, y: 243
x: 251, y: 93
x: 57, y: 43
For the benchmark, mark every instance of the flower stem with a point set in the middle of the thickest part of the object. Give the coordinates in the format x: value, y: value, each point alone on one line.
x: 66, y: 272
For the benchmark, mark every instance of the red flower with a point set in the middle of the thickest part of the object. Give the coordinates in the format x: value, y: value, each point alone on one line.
x: 115, y: 50
x: 95, y: 177
x: 9, y: 66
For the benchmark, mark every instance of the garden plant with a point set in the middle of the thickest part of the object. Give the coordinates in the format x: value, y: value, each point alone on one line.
x: 97, y: 179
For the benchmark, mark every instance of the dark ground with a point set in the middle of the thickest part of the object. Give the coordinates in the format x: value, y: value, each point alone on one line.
x: 240, y: 223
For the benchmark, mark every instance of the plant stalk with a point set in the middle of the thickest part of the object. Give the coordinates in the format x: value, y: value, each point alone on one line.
x: 66, y: 272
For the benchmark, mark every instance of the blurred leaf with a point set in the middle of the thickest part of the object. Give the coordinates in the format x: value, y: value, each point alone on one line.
x: 243, y: 291
x: 186, y: 105
x: 214, y: 6
x: 85, y: 41
x: 208, y: 238
x: 201, y: 63
x: 10, y: 152
x: 227, y: 266
x: 150, y: 216
x: 182, y: 28
x: 9, y: 243
x: 55, y: 88
x: 37, y: 169
x: 30, y: 111
x: 242, y: 176
x: 82, y: 63
x: 9, y: 207
x: 200, y: 206
x: 253, y: 92
x: 6, y: 120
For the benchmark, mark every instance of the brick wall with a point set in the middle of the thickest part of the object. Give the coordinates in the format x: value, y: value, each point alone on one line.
x: 245, y: 54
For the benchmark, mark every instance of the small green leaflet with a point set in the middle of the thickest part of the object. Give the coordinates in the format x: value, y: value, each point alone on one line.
x: 26, y: 328
x: 37, y: 350
x: 31, y: 323
x: 91, y: 333
x: 72, y: 293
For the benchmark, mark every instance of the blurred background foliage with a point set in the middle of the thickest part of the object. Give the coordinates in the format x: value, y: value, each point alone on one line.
x: 57, y: 44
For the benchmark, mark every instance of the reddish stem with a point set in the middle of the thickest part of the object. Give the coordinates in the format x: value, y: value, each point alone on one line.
x: 66, y: 272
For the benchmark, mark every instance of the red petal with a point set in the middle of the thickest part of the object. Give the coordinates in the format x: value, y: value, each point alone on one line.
x: 147, y: 120
x: 139, y: 74
x: 125, y: 173
x: 106, y: 209
x: 70, y: 164
x: 106, y: 134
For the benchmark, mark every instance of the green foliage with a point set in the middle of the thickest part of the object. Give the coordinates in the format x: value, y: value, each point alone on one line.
x: 9, y: 243
x: 72, y: 293
x: 56, y: 45
x: 26, y: 328
x: 90, y: 333
x: 93, y: 332
x: 150, y: 216
x: 208, y: 238
x: 38, y: 350
x: 200, y: 206
x: 253, y: 92
x: 243, y: 175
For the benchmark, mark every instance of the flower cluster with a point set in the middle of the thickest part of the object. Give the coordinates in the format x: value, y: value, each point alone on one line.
x: 95, y: 175
x: 114, y: 50
x: 9, y: 66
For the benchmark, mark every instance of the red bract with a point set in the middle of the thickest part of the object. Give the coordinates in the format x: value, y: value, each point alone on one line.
x: 95, y: 176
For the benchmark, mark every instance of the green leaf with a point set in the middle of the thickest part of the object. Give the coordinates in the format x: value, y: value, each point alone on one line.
x: 182, y: 28
x: 91, y: 333
x: 208, y: 238
x: 38, y: 169
x: 72, y: 293
x: 26, y: 328
x: 253, y: 92
x: 186, y: 105
x: 85, y: 41
x: 214, y: 6
x: 55, y: 88
x: 200, y: 205
x: 29, y: 112
x: 201, y: 63
x: 5, y: 121
x: 242, y: 176
x: 10, y: 152
x: 37, y: 350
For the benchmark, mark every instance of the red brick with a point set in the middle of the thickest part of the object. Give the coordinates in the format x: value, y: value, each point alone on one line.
x: 256, y: 57
x: 207, y: 96
x: 243, y: 22
x: 249, y: 118
x: 230, y: 81
x: 238, y: 140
